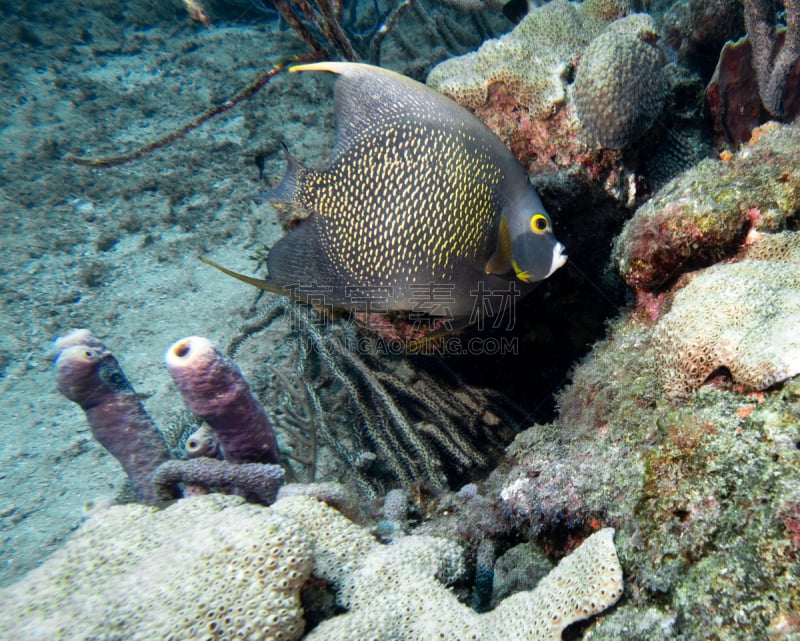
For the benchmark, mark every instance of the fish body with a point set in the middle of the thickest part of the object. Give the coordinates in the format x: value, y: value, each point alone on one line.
x: 419, y: 195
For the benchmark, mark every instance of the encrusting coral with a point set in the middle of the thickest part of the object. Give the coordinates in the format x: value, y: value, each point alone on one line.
x: 519, y: 85
x: 743, y: 317
x: 707, y: 510
x: 397, y: 592
x: 531, y: 61
x: 214, y: 567
x: 207, y: 567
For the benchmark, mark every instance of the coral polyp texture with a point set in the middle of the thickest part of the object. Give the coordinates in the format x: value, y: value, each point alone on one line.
x: 519, y: 85
x: 742, y: 317
x: 214, y: 567
x: 208, y: 567
x: 704, y: 214
x: 707, y: 510
x: 398, y: 592
x: 620, y: 85
x: 532, y: 60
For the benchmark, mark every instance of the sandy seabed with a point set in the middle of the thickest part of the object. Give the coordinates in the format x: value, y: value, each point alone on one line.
x: 116, y: 250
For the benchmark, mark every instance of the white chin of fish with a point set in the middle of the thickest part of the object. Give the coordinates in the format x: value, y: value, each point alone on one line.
x: 559, y: 258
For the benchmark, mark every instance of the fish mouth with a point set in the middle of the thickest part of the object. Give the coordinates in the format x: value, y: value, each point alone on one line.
x: 559, y: 258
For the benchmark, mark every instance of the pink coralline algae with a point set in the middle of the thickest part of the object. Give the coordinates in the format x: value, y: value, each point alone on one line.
x: 519, y: 86
x: 543, y: 145
x: 707, y: 214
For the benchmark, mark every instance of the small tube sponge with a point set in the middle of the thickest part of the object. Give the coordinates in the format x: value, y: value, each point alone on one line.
x: 88, y: 374
x: 214, y: 389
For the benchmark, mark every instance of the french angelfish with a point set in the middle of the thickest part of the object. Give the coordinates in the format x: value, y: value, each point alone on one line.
x: 419, y: 195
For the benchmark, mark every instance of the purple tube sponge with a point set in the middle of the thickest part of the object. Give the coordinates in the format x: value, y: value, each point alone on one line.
x: 88, y: 374
x: 214, y: 389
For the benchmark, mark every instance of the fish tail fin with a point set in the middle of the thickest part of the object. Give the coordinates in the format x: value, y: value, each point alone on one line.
x: 262, y: 283
x: 285, y: 192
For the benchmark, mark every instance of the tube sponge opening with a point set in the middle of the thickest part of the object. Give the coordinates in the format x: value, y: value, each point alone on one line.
x: 214, y: 389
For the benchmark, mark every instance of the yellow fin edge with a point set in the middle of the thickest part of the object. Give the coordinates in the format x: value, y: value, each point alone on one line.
x: 332, y: 66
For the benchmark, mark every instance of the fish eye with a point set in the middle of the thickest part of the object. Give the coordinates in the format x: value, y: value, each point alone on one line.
x: 539, y: 223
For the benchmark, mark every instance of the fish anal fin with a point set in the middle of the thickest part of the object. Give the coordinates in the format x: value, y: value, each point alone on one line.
x: 500, y: 261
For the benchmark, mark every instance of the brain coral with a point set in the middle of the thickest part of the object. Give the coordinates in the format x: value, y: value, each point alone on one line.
x: 744, y: 317
x: 207, y: 567
x: 533, y: 60
x: 619, y: 87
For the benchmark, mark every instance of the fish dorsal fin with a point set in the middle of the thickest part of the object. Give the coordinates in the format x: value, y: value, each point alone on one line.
x: 285, y: 192
x: 366, y: 96
x: 500, y: 261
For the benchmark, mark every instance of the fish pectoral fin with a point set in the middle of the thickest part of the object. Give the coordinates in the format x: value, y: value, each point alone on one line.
x: 500, y: 261
x: 261, y: 283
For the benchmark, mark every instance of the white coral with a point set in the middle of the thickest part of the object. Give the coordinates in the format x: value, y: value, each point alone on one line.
x: 394, y: 595
x: 206, y: 567
x: 532, y: 61
x: 744, y: 317
x: 213, y: 567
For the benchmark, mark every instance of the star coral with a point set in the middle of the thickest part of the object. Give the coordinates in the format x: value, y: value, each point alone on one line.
x: 216, y: 567
x: 206, y: 567
x: 620, y: 85
x: 519, y: 85
x: 532, y: 61
x: 398, y: 591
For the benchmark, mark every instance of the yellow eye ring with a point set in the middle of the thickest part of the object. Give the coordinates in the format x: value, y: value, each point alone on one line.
x: 539, y: 224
